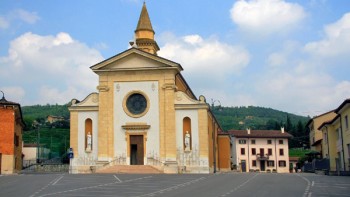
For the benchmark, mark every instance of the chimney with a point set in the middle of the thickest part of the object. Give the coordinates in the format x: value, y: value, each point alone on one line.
x: 248, y: 130
x: 282, y: 129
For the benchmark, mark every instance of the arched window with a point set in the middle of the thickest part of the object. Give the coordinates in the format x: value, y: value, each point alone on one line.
x: 187, y: 129
x: 88, y: 134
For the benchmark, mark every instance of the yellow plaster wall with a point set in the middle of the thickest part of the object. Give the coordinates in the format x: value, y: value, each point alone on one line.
x: 317, y: 121
x: 7, y: 164
x: 346, y: 137
x: 203, y: 133
x: 74, y: 132
x: 332, y: 141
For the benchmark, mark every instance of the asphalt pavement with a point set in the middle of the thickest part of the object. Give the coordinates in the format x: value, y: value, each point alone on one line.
x: 191, y: 185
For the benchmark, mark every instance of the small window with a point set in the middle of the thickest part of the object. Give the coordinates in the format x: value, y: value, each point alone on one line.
x: 280, y: 141
x: 282, y: 163
x: 269, y: 141
x: 253, y: 151
x: 242, y: 141
x: 254, y: 163
x: 346, y: 122
x: 242, y: 151
x: 271, y: 163
x: 269, y: 151
x: 253, y: 141
x: 281, y: 152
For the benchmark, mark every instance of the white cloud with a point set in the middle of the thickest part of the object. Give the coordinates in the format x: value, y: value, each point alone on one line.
x: 4, y: 24
x: 28, y: 17
x: 336, y: 41
x: 18, y: 15
x: 13, y: 93
x: 43, y: 62
x: 205, y: 57
x: 266, y: 16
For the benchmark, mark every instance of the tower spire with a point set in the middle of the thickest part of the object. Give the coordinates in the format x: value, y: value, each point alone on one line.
x: 144, y: 33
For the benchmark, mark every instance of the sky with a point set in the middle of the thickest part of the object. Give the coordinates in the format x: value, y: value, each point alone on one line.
x: 290, y: 55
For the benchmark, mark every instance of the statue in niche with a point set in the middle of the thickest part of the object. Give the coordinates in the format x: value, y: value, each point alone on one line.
x: 88, y: 142
x: 187, y: 141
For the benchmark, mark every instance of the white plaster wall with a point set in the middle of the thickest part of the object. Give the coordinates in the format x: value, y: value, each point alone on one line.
x: 193, y: 115
x: 262, y: 143
x: 82, y: 116
x: 149, y: 88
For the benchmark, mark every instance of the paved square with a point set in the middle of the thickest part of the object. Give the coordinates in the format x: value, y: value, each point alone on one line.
x: 218, y: 185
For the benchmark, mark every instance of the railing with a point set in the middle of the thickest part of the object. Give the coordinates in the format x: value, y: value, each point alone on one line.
x: 188, y: 158
x: 118, y: 160
x: 153, y: 159
x: 262, y: 157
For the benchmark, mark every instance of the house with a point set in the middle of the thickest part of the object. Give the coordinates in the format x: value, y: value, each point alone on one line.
x: 315, y: 135
x: 344, y: 115
x: 332, y: 143
x: 51, y: 119
x: 11, y: 128
x: 336, y: 143
x: 258, y: 150
x: 144, y: 113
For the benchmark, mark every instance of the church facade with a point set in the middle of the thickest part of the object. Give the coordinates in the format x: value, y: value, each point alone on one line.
x: 144, y: 113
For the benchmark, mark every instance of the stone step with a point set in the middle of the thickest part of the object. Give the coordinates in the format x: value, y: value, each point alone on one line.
x: 130, y: 169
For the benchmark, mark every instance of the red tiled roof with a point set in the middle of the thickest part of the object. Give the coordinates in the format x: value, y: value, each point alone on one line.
x: 260, y: 133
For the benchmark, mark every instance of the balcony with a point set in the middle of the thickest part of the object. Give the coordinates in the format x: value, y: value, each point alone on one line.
x: 262, y: 157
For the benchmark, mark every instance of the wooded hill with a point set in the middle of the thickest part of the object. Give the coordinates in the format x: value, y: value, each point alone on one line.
x: 256, y: 118
x: 260, y: 118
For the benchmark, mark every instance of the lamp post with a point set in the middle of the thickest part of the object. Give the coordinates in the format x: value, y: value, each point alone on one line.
x: 37, y: 143
x: 213, y: 104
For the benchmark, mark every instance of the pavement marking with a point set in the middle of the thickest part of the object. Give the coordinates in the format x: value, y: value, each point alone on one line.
x: 313, y: 183
x: 307, y: 189
x: 57, y: 180
x: 90, y: 187
x: 239, y: 186
x: 117, y: 178
x: 43, y: 188
x: 173, y: 187
x: 309, y: 194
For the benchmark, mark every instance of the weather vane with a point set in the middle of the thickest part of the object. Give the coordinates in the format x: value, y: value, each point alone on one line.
x: 3, y: 95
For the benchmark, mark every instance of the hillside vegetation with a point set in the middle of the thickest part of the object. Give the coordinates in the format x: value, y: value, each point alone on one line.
x: 238, y: 118
x: 260, y: 118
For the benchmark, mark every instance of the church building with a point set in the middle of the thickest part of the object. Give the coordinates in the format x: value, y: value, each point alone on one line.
x: 143, y: 113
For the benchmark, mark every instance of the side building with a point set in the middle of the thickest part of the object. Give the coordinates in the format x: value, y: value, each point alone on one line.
x: 11, y: 127
x: 336, y: 140
x: 315, y: 135
x: 259, y: 150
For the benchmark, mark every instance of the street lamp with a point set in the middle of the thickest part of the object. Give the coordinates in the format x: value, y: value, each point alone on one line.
x: 213, y: 104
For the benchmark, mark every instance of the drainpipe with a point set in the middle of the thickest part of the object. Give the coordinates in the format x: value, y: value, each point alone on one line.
x: 276, y: 155
x: 328, y: 142
x: 248, y: 154
x: 342, y: 141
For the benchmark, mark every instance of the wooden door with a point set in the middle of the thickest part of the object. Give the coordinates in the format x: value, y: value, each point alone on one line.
x: 136, y: 150
x: 244, y: 166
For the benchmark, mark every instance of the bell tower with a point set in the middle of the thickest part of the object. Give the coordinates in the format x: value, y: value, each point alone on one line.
x: 144, y: 33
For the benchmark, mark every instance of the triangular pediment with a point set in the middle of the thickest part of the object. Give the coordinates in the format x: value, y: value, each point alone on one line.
x: 135, y: 59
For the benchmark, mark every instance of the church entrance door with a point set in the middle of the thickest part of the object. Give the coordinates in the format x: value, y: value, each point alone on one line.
x: 136, y: 150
